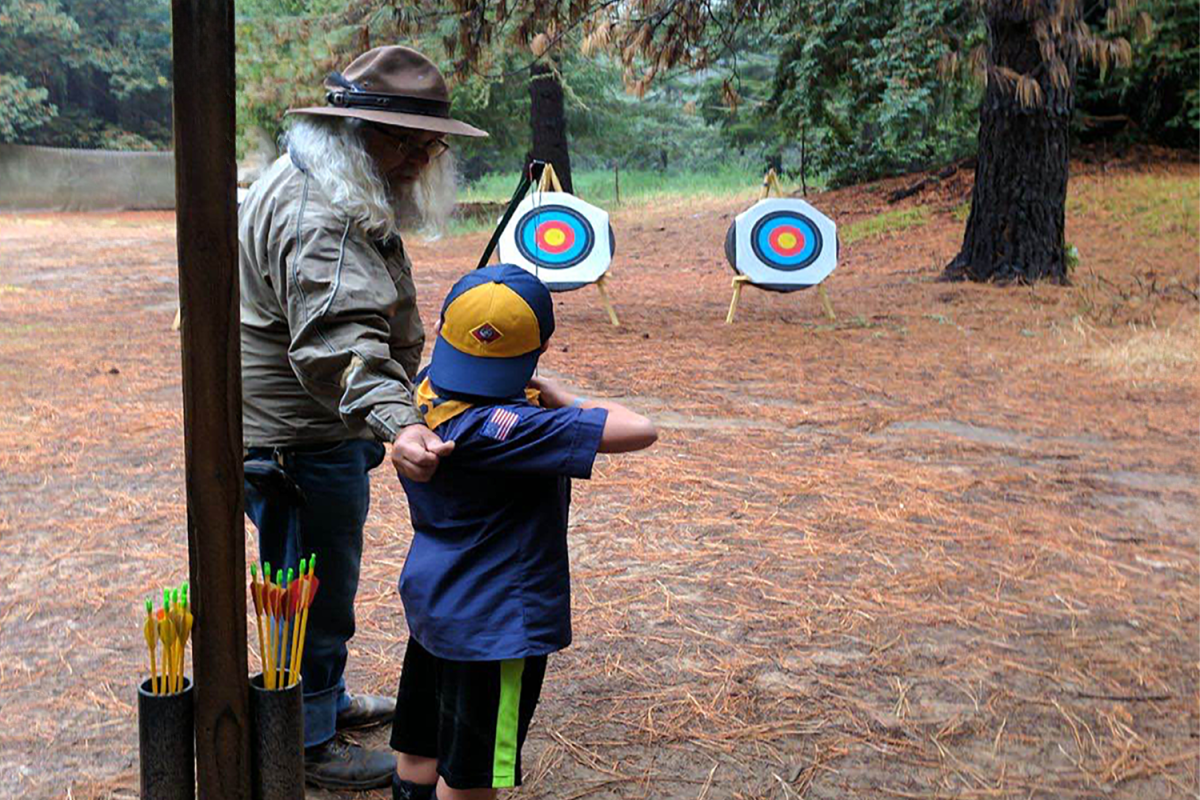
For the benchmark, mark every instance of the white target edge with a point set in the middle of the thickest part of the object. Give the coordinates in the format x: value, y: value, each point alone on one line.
x: 749, y: 264
x: 590, y: 270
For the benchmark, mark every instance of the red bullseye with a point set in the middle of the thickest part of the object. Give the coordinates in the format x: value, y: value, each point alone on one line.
x: 787, y: 240
x: 554, y: 236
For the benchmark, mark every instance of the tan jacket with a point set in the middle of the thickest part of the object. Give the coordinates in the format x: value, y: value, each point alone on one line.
x: 331, y: 337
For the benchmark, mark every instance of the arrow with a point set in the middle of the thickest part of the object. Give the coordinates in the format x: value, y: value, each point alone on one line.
x: 150, y: 631
x: 310, y: 591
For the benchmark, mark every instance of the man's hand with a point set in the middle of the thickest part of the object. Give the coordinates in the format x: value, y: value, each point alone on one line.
x: 554, y: 394
x: 417, y: 451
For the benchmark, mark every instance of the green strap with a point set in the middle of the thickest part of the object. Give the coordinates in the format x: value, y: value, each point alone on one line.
x: 504, y: 758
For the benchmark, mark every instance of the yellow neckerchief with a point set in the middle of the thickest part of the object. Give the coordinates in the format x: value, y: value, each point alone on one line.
x: 435, y: 410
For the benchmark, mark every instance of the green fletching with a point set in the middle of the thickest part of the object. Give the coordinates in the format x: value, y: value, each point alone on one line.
x: 253, y: 570
x: 166, y: 599
x: 302, y: 564
x: 149, y: 606
x: 312, y: 563
x: 279, y: 576
x: 291, y: 573
x: 266, y: 570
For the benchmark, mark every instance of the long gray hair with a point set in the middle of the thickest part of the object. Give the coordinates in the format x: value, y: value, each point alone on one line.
x: 332, y: 151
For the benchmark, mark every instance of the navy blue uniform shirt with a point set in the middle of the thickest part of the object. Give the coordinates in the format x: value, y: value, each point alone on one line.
x: 487, y: 576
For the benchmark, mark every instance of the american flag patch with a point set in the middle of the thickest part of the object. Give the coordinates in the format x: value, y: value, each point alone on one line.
x: 500, y: 423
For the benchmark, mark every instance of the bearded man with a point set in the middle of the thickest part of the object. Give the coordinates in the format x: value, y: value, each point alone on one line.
x: 331, y: 341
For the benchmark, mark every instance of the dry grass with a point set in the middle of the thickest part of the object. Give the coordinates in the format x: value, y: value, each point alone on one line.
x: 1140, y: 352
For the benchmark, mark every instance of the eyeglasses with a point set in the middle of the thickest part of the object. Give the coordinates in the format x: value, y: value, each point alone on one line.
x: 406, y: 144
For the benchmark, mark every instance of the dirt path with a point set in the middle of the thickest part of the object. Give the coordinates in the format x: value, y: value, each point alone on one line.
x: 943, y: 547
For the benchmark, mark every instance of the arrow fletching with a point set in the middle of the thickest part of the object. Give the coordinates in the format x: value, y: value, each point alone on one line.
x: 294, y: 598
x: 166, y: 631
x: 256, y: 595
x: 150, y: 628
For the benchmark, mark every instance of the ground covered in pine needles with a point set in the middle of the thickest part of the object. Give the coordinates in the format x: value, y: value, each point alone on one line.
x: 943, y: 546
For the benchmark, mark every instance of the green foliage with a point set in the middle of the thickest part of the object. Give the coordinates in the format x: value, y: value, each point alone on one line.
x: 32, y: 34
x: 284, y: 50
x: 1072, y: 258
x: 1160, y: 91
x: 862, y: 78
x: 25, y: 107
x: 606, y: 126
x: 735, y: 96
x: 86, y: 73
x: 286, y: 47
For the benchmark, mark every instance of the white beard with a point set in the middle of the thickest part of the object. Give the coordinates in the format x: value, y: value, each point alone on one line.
x: 332, y: 151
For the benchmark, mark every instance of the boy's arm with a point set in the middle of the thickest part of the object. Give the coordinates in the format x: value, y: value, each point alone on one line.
x: 624, y: 430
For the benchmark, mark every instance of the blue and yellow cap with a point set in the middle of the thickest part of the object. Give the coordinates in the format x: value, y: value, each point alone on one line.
x: 494, y: 323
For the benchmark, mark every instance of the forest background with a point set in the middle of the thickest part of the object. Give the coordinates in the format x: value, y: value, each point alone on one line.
x: 856, y: 90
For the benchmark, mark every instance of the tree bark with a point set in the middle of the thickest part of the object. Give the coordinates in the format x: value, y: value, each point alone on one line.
x: 549, y: 123
x: 1015, y: 231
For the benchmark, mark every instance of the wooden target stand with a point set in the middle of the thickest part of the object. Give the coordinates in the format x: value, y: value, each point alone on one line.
x: 771, y: 181
x: 549, y: 183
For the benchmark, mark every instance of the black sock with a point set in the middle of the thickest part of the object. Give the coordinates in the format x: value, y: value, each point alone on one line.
x: 407, y: 790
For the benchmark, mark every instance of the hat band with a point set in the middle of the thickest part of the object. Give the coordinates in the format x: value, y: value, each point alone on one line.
x: 389, y: 102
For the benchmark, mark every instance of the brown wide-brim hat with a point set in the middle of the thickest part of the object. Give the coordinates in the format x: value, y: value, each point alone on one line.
x: 392, y: 86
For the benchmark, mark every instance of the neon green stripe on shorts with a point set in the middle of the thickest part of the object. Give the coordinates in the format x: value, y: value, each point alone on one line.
x: 504, y: 758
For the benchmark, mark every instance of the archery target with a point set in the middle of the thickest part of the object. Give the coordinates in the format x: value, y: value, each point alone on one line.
x: 782, y: 244
x: 554, y: 236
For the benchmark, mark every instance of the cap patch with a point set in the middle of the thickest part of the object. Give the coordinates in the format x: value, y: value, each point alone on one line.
x: 487, y: 333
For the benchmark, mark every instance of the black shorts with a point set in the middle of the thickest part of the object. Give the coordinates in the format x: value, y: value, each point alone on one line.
x: 472, y: 716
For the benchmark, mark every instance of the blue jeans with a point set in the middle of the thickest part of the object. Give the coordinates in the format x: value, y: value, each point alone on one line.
x: 334, y: 480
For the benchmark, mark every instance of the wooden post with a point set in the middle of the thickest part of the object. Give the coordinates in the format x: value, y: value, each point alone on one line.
x: 206, y: 225
x: 739, y: 281
x: 549, y: 181
x: 604, y: 298
x: 825, y: 304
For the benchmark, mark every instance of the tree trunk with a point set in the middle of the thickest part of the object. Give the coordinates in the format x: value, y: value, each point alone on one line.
x: 1015, y: 229
x: 549, y: 123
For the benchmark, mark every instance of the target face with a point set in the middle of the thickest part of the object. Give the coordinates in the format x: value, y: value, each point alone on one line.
x: 554, y: 237
x: 786, y: 240
x: 784, y: 244
x: 564, y: 241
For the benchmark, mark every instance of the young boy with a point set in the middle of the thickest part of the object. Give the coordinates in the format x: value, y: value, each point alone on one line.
x: 485, y: 586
